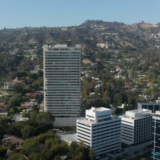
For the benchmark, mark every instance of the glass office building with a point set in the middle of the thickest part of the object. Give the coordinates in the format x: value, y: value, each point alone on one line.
x: 155, y: 153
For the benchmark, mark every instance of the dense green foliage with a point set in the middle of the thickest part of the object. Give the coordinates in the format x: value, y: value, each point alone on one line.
x: 38, y: 123
x: 48, y: 146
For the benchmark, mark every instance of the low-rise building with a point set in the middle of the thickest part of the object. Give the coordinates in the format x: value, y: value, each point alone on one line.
x: 94, y: 65
x: 29, y: 104
x: 150, y: 105
x: 19, y: 118
x: 136, y: 126
x: 2, y: 107
x: 102, y: 45
x: 9, y: 85
x: 13, y: 140
x: 33, y: 94
x: 100, y: 131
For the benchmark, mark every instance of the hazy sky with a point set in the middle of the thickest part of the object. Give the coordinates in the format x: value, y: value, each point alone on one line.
x: 50, y: 13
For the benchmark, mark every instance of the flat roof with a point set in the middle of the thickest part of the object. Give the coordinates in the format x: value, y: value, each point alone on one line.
x: 155, y: 115
x: 61, y: 46
x: 99, y: 109
x: 86, y: 121
x: 67, y: 137
x: 91, y: 122
x: 137, y: 114
x: 139, y: 111
x: 149, y: 103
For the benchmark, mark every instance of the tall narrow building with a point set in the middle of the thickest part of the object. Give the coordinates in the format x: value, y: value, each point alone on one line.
x: 62, y: 84
x: 155, y: 153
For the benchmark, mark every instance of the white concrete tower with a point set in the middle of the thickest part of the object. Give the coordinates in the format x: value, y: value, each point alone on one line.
x: 100, y: 130
x: 136, y: 126
x: 62, y: 85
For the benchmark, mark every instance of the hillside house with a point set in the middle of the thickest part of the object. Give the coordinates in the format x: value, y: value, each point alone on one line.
x: 94, y: 65
x: 29, y: 104
x: 13, y: 140
x: 2, y: 107
x: 102, y: 45
x: 19, y: 118
x: 9, y: 85
x: 149, y: 84
x: 33, y: 95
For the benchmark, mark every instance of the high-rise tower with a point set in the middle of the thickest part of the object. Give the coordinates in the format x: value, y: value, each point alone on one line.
x: 62, y: 84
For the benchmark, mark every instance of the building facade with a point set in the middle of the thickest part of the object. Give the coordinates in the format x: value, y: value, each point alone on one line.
x: 100, y: 131
x: 8, y: 85
x: 136, y: 126
x: 62, y: 84
x: 155, y: 153
x: 151, y: 106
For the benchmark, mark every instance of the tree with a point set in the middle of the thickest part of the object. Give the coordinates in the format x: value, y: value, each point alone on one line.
x: 40, y: 73
x: 43, y: 137
x: 49, y: 142
x: 16, y: 156
x: 59, y: 149
x: 15, y: 129
x: 116, y: 110
x: 92, y: 155
x: 15, y: 110
x: 117, y: 99
x: 18, y: 88
x: 57, y: 158
x: 106, y: 101
x: 34, y: 156
x: 3, y: 150
x: 27, y: 131
x: 72, y: 148
x: 125, y: 108
x: 45, y: 118
x: 14, y: 101
x: 29, y: 146
x: 3, y: 126
x: 12, y: 146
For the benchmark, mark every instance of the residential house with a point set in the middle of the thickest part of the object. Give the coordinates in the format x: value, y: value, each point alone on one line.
x: 33, y: 95
x: 93, y: 93
x: 13, y: 140
x: 119, y: 76
x: 102, y: 45
x: 29, y: 104
x: 98, y: 86
x: 34, y: 56
x: 94, y: 65
x: 150, y: 84
x: 2, y: 107
x: 119, y: 70
x: 88, y: 74
x: 19, y: 118
x: 9, y: 85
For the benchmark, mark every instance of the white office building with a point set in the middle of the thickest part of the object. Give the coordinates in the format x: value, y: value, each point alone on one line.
x: 136, y: 126
x: 150, y: 105
x: 100, y: 130
x: 62, y: 85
